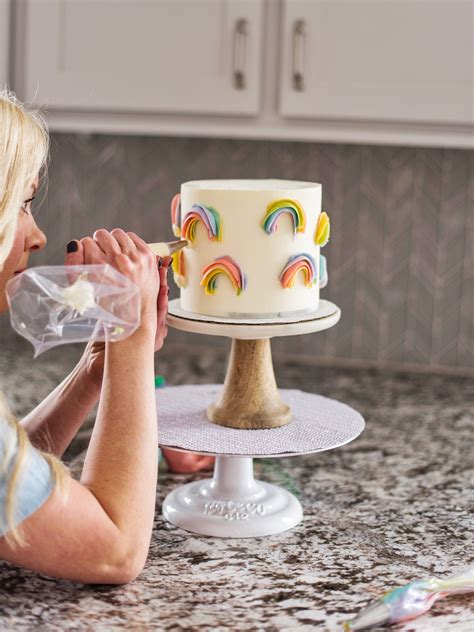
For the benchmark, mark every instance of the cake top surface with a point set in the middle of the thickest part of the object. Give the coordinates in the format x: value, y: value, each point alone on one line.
x: 249, y: 185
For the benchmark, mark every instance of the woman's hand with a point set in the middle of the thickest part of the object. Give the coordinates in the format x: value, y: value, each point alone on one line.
x: 94, y: 354
x: 128, y: 254
x: 187, y: 462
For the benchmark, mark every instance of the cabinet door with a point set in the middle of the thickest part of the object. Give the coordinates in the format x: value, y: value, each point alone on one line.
x: 183, y: 56
x: 4, y: 41
x: 386, y: 60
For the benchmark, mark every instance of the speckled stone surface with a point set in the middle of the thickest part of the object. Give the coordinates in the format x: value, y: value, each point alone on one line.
x: 395, y: 505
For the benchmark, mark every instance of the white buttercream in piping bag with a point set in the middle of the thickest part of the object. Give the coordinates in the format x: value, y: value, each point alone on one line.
x: 80, y: 295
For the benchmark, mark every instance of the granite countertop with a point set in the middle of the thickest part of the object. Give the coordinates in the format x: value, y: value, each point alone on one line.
x: 394, y: 505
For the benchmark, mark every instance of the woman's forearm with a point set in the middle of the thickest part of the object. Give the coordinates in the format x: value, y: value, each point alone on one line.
x: 52, y: 425
x: 122, y: 459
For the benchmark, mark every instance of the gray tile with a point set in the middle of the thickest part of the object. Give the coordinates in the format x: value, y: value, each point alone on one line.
x: 401, y: 253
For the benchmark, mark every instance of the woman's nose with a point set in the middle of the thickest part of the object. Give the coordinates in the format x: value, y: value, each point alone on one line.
x: 36, y: 239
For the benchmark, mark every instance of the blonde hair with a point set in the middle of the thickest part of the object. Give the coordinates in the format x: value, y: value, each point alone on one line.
x: 24, y: 146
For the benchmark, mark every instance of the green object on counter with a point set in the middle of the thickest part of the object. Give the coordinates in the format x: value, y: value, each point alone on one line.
x: 159, y: 381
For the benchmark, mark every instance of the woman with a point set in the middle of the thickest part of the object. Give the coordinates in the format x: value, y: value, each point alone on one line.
x: 97, y: 529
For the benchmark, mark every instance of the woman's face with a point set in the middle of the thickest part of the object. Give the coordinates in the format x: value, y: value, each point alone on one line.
x: 28, y: 238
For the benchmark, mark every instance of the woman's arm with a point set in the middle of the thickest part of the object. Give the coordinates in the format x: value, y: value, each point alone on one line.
x: 122, y: 460
x: 100, y: 531
x: 53, y: 424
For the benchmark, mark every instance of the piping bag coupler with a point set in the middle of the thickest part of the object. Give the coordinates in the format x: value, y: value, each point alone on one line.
x: 54, y: 305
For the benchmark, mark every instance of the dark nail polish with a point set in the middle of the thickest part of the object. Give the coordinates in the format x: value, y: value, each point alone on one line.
x: 72, y: 246
x: 167, y: 292
x: 160, y: 264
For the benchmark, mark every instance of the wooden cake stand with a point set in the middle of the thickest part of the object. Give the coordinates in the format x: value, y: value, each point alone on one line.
x: 233, y: 503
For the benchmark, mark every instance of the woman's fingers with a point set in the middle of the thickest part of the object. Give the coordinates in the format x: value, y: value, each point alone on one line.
x: 126, y: 244
x: 163, y: 273
x: 92, y: 252
x: 74, y: 253
x: 74, y: 257
x: 111, y: 244
x: 140, y: 245
x: 107, y: 242
x: 163, y: 294
x: 162, y: 304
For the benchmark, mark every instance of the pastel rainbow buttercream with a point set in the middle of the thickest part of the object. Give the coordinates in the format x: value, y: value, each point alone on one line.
x: 280, y: 207
x: 323, y: 230
x: 176, y: 215
x: 210, y: 219
x: 229, y: 268
x: 303, y: 262
x: 179, y: 271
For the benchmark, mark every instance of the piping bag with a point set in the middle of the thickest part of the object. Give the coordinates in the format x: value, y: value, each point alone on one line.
x: 410, y: 601
x: 54, y: 305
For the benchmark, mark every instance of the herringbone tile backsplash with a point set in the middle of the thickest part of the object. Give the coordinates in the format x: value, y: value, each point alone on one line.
x: 400, y: 257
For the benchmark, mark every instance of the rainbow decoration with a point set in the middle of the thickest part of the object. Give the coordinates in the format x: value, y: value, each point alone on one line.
x: 323, y: 230
x: 303, y: 262
x: 323, y: 271
x: 278, y: 208
x: 229, y: 268
x: 176, y: 215
x: 208, y: 216
x: 177, y: 266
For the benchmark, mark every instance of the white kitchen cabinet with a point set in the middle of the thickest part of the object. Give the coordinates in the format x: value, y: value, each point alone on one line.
x: 180, y: 56
x: 378, y: 60
x: 4, y: 41
x: 394, y: 72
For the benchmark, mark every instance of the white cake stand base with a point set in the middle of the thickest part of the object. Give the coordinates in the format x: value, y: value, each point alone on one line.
x: 232, y: 504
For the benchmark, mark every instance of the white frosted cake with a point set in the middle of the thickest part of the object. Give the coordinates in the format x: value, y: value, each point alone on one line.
x: 254, y: 247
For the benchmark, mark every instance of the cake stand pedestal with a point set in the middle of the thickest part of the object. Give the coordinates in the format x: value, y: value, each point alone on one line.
x: 233, y: 503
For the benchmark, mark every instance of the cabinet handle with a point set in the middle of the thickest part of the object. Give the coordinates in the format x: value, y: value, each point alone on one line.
x: 240, y: 44
x: 299, y: 34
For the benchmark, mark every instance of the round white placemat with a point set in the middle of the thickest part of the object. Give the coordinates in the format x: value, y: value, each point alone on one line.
x: 318, y: 424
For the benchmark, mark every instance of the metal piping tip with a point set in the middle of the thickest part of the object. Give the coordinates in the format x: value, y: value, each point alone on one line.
x: 175, y: 246
x: 166, y: 249
x: 375, y: 615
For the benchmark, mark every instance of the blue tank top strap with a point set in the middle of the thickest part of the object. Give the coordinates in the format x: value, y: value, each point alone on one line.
x: 35, y: 482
